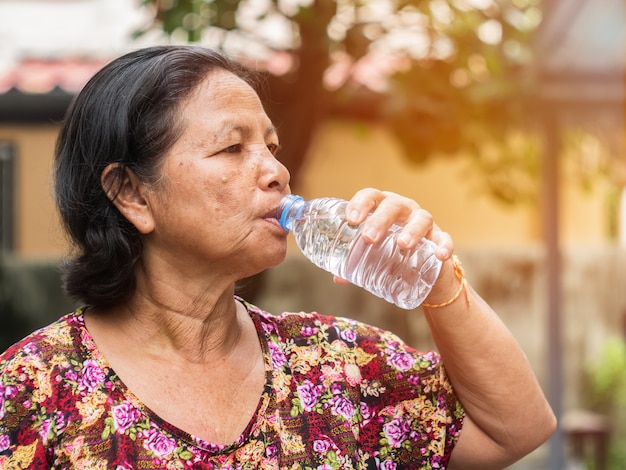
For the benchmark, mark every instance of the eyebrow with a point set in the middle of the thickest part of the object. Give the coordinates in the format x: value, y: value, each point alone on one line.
x: 228, y: 126
x: 271, y: 129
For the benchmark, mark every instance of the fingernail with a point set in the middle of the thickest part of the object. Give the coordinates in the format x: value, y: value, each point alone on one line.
x: 354, y: 215
x: 405, y: 239
x: 370, y: 233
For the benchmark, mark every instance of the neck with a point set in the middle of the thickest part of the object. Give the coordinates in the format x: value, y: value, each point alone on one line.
x: 195, y: 329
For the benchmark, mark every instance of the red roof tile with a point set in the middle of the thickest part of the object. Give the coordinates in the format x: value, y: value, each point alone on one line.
x: 43, y: 75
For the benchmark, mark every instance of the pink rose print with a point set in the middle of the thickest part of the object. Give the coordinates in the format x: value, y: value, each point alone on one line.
x: 71, y: 375
x: 92, y: 376
x: 321, y: 446
x: 60, y: 421
x: 124, y: 416
x: 278, y: 358
x: 388, y: 465
x: 10, y: 391
x: 5, y: 442
x: 348, y: 335
x: 159, y: 444
x: 309, y: 394
x: 341, y: 406
x: 365, y: 411
x: 44, y: 430
x: 414, y: 380
x: 401, y: 361
x: 396, y: 432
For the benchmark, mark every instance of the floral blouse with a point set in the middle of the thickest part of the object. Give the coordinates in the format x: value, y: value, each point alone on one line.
x: 339, y: 394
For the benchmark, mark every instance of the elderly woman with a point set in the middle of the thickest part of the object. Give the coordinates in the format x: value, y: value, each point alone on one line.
x: 167, y: 183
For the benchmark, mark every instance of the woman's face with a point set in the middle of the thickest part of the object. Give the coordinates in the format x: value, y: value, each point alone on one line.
x: 220, y: 184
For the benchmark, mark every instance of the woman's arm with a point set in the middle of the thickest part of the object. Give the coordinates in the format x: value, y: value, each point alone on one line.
x: 507, y: 415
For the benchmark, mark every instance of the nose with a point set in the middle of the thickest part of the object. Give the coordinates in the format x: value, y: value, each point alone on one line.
x: 275, y: 174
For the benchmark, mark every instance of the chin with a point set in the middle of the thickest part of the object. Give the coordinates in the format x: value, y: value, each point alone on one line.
x: 265, y: 261
x: 278, y: 259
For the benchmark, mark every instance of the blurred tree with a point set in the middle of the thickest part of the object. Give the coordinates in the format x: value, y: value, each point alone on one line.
x: 445, y: 75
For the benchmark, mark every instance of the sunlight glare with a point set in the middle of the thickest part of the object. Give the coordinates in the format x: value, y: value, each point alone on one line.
x: 481, y: 4
x: 291, y: 7
x: 442, y: 12
x: 467, y: 5
x: 490, y: 32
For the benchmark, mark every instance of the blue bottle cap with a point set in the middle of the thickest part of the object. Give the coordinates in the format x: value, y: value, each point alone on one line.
x: 284, y: 207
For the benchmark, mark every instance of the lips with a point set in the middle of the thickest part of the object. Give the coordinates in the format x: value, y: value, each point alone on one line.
x: 271, y: 214
x: 274, y: 212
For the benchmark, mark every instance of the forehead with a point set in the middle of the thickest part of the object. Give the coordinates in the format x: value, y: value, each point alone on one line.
x: 221, y: 87
x: 221, y: 100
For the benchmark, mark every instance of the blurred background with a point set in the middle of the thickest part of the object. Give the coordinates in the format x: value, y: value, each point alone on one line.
x: 503, y: 118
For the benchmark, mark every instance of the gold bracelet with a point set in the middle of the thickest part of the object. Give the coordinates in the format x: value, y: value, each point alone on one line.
x: 458, y: 270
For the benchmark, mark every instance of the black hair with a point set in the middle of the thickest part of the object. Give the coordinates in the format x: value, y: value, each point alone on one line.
x: 127, y: 114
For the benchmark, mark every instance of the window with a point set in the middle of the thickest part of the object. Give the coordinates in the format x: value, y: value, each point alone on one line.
x: 7, y: 197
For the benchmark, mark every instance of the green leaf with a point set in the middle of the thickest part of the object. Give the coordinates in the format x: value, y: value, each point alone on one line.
x: 185, y: 455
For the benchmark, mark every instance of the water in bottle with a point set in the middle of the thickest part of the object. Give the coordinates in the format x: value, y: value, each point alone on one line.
x: 322, y: 232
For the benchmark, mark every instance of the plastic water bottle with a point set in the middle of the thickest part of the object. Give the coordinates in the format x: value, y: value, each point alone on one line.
x: 322, y: 232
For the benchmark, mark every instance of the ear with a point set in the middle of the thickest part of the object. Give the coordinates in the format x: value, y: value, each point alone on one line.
x: 127, y: 193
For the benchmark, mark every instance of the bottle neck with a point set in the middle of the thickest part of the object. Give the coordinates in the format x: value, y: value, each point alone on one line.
x: 290, y: 207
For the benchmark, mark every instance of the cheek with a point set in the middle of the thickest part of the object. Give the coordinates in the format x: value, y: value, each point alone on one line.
x: 232, y: 190
x: 222, y: 191
x: 229, y: 198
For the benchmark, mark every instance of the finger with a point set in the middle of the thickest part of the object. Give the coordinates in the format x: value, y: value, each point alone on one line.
x: 362, y: 204
x: 393, y: 209
x: 419, y: 226
x: 445, y: 244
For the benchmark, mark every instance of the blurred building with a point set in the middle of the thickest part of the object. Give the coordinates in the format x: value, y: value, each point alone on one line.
x: 48, y: 50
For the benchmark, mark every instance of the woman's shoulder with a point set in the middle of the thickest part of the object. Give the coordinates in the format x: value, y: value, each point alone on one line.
x: 301, y: 327
x: 317, y: 344
x: 295, y: 322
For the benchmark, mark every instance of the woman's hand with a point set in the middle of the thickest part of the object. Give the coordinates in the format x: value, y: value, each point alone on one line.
x: 386, y: 208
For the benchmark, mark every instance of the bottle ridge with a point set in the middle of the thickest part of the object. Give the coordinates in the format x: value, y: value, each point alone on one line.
x: 325, y: 237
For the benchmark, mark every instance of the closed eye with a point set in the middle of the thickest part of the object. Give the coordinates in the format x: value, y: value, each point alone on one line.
x: 233, y: 149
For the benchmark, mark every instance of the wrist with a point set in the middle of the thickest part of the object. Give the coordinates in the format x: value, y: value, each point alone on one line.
x: 450, y: 286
